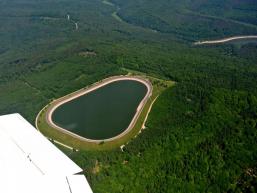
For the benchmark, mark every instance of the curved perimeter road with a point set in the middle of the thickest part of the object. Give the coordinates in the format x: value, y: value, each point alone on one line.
x: 56, y: 103
x: 220, y: 41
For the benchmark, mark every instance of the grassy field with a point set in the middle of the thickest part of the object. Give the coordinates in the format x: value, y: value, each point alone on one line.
x: 158, y: 87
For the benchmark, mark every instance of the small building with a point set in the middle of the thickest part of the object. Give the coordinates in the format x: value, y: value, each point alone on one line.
x: 30, y: 163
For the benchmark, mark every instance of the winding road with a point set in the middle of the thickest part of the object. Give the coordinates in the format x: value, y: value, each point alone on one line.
x: 220, y: 41
x: 115, y: 13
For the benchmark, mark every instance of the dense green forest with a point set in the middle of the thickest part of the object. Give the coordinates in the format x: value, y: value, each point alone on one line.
x: 191, y: 19
x: 201, y: 135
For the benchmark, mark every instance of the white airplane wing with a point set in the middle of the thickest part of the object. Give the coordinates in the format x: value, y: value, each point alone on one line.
x: 30, y: 163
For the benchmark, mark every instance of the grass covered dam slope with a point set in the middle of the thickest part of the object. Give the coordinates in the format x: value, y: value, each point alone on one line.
x: 104, y: 111
x: 105, y: 115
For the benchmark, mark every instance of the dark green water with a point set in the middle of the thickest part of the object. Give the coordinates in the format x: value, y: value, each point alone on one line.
x: 103, y: 113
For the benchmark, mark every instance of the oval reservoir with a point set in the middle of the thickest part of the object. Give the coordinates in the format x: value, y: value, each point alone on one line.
x: 102, y: 113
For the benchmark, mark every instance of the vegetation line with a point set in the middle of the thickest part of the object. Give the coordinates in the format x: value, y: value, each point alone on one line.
x: 221, y: 19
x: 34, y: 88
x: 220, y: 41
